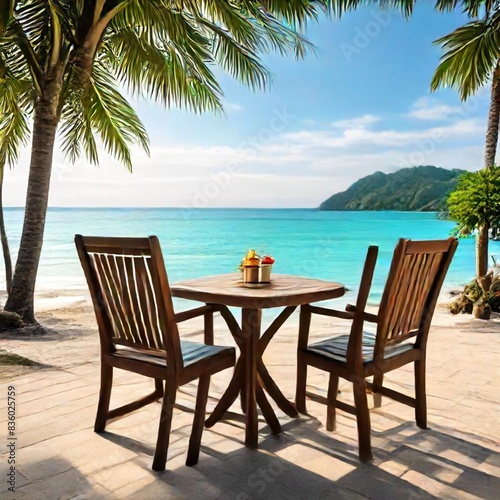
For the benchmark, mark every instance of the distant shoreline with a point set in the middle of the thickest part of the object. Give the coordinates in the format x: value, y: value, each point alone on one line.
x: 311, y: 209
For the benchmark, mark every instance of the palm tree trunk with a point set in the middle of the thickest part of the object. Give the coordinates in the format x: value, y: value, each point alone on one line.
x: 482, y: 238
x: 21, y: 298
x: 490, y: 150
x: 5, y: 241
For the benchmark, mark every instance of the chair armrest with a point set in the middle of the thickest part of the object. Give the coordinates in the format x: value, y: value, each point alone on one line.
x: 194, y: 313
x: 323, y: 311
x: 372, y: 318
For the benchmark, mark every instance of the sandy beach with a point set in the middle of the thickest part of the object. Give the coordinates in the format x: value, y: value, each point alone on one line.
x: 61, y: 457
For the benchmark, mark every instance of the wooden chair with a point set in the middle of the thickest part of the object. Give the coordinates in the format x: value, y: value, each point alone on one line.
x: 138, y: 331
x: 415, y: 278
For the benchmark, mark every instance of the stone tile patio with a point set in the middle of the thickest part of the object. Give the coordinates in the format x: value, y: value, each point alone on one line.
x: 60, y: 457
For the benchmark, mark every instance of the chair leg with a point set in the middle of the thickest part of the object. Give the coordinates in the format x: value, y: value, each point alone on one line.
x: 378, y: 380
x: 420, y: 396
x: 333, y: 387
x: 363, y: 420
x: 104, y: 397
x: 167, y: 410
x: 300, y: 392
x: 159, y: 387
x: 199, y: 420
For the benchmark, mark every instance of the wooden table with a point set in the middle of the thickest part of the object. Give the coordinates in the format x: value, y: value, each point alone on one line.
x: 251, y: 376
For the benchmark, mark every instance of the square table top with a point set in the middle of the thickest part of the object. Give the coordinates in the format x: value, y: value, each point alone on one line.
x: 283, y: 290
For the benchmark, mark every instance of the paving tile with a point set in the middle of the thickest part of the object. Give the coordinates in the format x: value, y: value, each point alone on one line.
x: 457, y: 457
x: 435, y: 488
x: 65, y: 485
x: 111, y: 478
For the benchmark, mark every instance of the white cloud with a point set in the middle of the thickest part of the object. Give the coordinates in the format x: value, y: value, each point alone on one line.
x: 289, y: 169
x: 364, y: 137
x: 359, y: 122
x: 426, y: 108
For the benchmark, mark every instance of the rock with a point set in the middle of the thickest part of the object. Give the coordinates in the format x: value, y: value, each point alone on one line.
x: 10, y: 321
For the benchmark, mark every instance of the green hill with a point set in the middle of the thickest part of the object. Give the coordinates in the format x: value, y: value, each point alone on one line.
x: 423, y: 188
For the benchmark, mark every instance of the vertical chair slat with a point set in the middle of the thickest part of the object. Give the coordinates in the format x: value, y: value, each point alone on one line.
x: 429, y: 275
x: 120, y: 262
x: 137, y: 310
x: 148, y: 304
x: 402, y: 283
x: 113, y: 275
x: 107, y: 287
x: 157, y: 323
x: 422, y: 268
x: 396, y: 298
x: 141, y: 310
x: 422, y: 290
x: 416, y: 263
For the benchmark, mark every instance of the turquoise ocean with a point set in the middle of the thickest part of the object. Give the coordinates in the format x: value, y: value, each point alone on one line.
x: 202, y: 242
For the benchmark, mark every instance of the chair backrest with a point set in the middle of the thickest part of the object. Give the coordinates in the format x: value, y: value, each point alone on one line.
x: 415, y: 279
x: 130, y: 293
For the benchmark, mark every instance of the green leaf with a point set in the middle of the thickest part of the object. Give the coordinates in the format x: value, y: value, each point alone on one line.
x: 15, y: 101
x: 470, y: 55
x: 476, y: 199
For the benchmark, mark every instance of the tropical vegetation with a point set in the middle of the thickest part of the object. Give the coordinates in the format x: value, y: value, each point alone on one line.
x: 475, y: 205
x: 471, y: 60
x: 424, y: 188
x: 64, y: 65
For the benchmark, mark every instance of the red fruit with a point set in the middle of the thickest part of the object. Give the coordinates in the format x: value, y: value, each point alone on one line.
x: 267, y: 260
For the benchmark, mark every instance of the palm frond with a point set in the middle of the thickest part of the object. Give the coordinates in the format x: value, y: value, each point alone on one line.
x: 18, y: 53
x: 6, y: 13
x: 470, y: 55
x: 239, y: 61
x: 167, y: 70
x: 102, y: 109
x: 165, y: 50
x: 295, y: 14
x: 472, y: 8
x: 340, y: 7
x: 15, y: 105
x: 76, y: 130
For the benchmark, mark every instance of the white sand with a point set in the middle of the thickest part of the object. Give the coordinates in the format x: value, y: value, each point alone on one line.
x: 61, y: 457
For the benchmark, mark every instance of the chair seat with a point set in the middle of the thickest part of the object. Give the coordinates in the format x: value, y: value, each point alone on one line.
x: 192, y: 352
x: 335, y: 348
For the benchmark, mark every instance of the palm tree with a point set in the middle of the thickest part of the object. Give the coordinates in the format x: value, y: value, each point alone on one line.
x: 65, y: 61
x: 471, y: 60
x: 5, y: 242
x: 13, y: 134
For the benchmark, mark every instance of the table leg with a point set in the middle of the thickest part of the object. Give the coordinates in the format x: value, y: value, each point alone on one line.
x: 274, y: 391
x: 250, y: 325
x: 268, y: 412
x: 251, y: 376
x: 229, y: 397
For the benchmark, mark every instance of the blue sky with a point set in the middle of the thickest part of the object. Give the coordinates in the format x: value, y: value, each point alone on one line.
x: 360, y: 104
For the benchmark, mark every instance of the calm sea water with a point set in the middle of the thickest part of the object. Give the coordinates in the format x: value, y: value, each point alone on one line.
x: 328, y: 245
